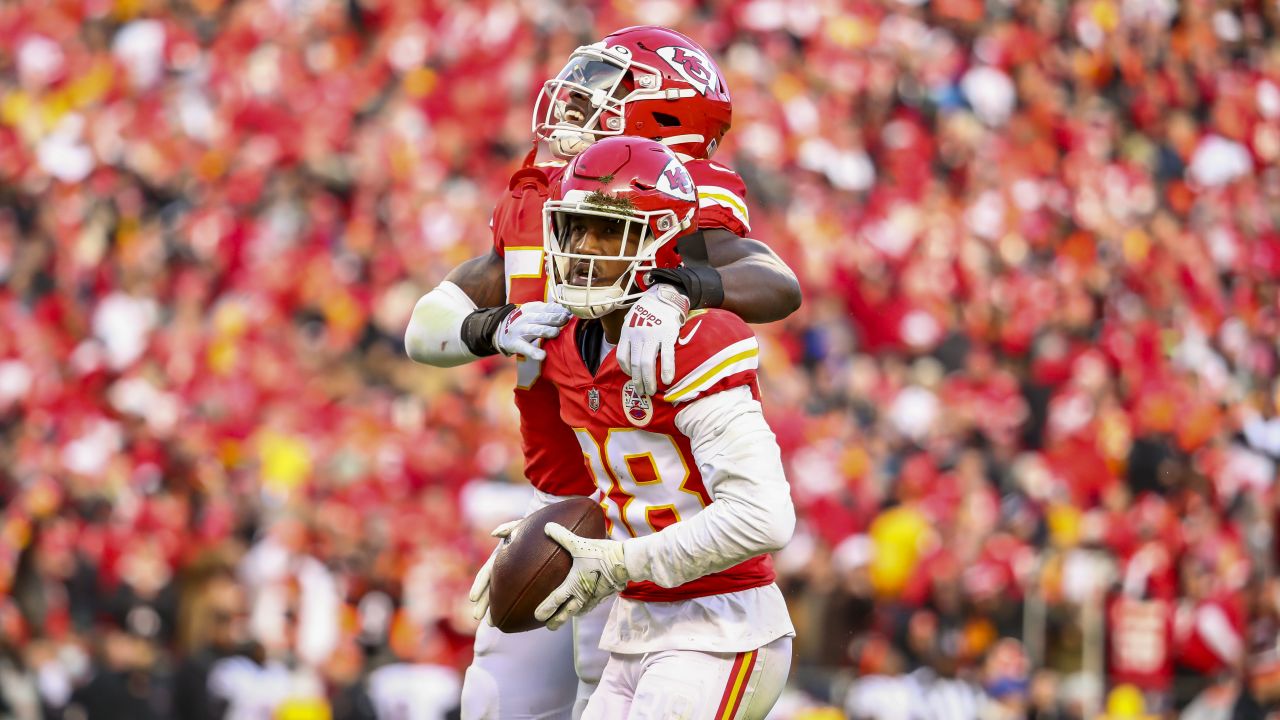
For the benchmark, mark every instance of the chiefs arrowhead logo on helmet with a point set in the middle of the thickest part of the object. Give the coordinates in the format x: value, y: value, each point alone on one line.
x: 692, y: 66
x: 676, y: 182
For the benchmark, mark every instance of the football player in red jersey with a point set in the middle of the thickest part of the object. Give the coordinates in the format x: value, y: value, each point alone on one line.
x: 655, y: 83
x: 691, y: 477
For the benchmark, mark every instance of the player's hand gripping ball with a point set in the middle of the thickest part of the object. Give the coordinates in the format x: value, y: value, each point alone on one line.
x: 529, y: 565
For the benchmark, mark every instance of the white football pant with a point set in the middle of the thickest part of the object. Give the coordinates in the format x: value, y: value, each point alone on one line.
x: 589, y: 659
x: 691, y: 684
x: 520, y: 676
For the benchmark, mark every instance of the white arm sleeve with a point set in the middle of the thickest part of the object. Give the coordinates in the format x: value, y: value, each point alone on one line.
x: 741, y: 466
x: 1216, y: 629
x: 434, y: 335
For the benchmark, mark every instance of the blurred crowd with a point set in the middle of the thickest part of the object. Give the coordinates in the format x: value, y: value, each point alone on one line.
x: 1030, y: 408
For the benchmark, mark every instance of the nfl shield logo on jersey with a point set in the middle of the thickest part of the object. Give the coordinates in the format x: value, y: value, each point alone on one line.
x: 637, y: 406
x: 593, y: 399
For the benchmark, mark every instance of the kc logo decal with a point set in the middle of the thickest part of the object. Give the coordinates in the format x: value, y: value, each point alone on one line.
x: 676, y: 182
x: 692, y: 66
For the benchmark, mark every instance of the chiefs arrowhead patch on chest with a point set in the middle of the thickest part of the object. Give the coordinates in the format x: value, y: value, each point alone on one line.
x: 637, y: 407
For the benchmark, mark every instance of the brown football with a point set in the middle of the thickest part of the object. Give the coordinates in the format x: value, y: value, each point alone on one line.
x: 530, y: 565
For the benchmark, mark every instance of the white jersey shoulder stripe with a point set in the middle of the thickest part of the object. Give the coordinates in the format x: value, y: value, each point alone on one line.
x: 740, y: 356
x: 522, y: 262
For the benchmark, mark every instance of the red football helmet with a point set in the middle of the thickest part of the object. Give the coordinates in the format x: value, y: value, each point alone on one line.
x: 640, y: 183
x: 645, y: 81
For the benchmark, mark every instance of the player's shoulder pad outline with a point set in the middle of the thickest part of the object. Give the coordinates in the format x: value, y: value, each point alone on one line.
x: 720, y: 189
x: 713, y: 347
x: 526, y: 175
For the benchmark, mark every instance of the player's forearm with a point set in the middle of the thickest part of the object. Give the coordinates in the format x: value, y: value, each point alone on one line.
x: 731, y: 530
x: 759, y: 289
x: 742, y: 469
x: 741, y: 275
x: 447, y: 329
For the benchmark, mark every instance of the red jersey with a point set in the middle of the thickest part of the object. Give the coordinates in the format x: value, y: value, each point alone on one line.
x: 1210, y: 634
x: 1140, y: 642
x: 639, y: 460
x: 550, y: 451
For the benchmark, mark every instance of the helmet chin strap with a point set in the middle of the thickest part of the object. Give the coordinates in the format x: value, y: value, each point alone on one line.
x: 567, y: 144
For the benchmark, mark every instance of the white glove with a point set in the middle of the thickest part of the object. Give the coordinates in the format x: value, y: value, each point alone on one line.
x: 480, y: 587
x: 651, y: 327
x: 525, y: 325
x: 597, y: 573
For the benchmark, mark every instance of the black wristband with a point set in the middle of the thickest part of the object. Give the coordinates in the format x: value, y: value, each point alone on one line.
x: 700, y: 283
x: 479, y: 327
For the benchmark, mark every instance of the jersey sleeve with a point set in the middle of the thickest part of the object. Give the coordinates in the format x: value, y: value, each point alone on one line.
x: 716, y: 351
x: 722, y: 197
x: 751, y: 512
x: 516, y: 223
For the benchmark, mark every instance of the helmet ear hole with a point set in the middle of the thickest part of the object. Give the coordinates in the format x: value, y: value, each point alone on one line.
x: 665, y: 120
